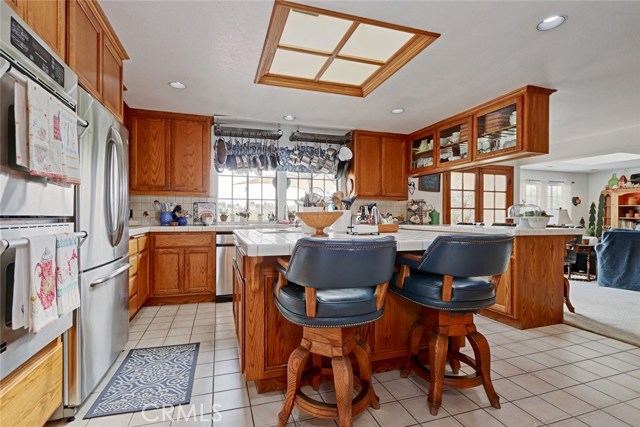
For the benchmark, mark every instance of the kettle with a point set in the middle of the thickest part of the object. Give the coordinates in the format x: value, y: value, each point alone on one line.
x: 434, y: 216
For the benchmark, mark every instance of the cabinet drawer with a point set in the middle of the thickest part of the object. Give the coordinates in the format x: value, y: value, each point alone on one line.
x: 143, y: 243
x: 133, y: 286
x: 133, y: 306
x: 177, y: 240
x: 133, y: 246
x: 133, y: 260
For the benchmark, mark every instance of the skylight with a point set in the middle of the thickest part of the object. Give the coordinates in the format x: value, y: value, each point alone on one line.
x: 317, y: 49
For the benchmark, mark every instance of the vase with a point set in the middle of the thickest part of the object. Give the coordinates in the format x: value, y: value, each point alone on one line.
x: 182, y: 221
x: 166, y: 218
x: 434, y: 217
x: 613, y: 181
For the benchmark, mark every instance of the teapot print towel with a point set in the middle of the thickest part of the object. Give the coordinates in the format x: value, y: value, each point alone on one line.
x: 42, y: 304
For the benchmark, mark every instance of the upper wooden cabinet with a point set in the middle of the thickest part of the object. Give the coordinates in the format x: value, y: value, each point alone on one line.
x: 96, y: 54
x: 47, y: 18
x: 379, y: 165
x: 169, y: 153
x: 512, y: 126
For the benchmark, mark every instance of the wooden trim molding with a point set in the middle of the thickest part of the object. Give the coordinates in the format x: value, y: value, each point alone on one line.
x: 417, y: 43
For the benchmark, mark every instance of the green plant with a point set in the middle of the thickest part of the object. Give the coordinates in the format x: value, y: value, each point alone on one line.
x: 592, y: 216
x: 590, y: 232
x: 582, y: 223
x: 224, y: 212
x: 600, y: 219
x: 543, y: 213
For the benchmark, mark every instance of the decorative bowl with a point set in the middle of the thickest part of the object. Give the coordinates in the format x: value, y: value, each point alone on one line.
x: 319, y: 220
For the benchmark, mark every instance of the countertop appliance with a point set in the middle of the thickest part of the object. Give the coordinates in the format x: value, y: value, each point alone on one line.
x: 101, y: 202
x: 29, y: 205
x: 225, y: 248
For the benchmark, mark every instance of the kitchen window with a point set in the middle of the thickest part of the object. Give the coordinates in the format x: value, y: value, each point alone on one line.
x: 555, y: 196
x: 299, y: 183
x: 532, y: 190
x: 248, y: 191
x: 478, y: 195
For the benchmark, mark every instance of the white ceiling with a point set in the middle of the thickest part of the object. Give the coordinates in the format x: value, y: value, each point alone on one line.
x: 486, y: 49
x: 611, y: 161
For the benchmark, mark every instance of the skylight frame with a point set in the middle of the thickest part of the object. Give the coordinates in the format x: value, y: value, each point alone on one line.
x: 417, y: 43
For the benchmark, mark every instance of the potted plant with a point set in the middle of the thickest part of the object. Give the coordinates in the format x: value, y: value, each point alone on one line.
x: 291, y: 215
x: 244, y: 215
x: 224, y: 215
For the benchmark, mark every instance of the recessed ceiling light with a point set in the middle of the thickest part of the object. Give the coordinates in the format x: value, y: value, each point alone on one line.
x: 289, y: 117
x: 177, y: 85
x: 551, y: 22
x: 397, y: 111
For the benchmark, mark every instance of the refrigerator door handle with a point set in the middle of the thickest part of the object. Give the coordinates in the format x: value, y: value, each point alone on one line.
x: 113, y: 275
x: 115, y: 174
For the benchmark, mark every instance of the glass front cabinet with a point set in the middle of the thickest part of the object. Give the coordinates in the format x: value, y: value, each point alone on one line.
x: 453, y: 140
x: 423, y: 151
x: 499, y: 129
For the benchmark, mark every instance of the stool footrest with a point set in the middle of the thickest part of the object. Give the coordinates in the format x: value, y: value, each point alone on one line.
x: 326, y: 410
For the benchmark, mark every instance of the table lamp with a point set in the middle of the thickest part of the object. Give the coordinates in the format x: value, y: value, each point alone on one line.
x: 563, y: 217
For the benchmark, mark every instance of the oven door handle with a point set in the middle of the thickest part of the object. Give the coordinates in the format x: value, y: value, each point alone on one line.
x: 118, y: 272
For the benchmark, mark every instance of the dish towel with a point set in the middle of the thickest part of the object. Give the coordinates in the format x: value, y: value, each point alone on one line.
x: 64, y: 130
x: 68, y: 294
x: 43, y: 308
x: 45, y: 150
x: 21, y: 288
x: 21, y: 122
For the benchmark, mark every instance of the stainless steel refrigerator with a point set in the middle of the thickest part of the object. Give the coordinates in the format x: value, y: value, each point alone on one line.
x: 101, y: 209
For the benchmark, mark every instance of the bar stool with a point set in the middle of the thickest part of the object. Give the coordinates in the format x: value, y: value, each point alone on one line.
x: 331, y: 288
x: 456, y: 277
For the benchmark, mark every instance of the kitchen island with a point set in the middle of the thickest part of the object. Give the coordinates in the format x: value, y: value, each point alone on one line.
x: 530, y: 295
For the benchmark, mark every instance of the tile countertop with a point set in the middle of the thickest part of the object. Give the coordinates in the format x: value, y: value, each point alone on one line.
x: 258, y: 242
x: 226, y: 227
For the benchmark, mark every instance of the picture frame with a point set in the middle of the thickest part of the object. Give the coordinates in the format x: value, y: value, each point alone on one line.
x: 429, y: 183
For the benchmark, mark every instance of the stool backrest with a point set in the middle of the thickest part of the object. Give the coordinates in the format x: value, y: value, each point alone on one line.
x: 468, y: 255
x: 344, y: 263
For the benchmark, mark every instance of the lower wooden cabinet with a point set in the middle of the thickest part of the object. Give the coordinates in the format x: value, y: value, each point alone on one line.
x: 183, y: 266
x: 33, y: 392
x: 238, y: 308
x: 138, y: 273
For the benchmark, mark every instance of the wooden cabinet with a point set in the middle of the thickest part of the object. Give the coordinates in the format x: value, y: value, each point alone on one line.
x: 621, y: 208
x: 238, y: 307
x: 170, y: 153
x: 96, y: 54
x: 509, y: 127
x: 48, y: 18
x: 183, y: 268
x: 379, y: 166
x: 138, y: 273
x: 31, y: 394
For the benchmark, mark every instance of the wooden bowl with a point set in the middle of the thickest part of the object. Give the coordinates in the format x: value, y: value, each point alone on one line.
x: 319, y: 220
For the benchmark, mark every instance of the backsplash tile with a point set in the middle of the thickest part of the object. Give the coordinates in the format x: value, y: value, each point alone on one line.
x: 140, y: 204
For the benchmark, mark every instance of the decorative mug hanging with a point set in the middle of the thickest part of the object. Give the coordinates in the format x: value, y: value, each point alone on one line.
x: 576, y: 200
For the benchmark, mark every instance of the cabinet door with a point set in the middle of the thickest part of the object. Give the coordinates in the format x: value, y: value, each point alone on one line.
x: 143, y: 277
x: 48, y: 19
x: 85, y: 46
x: 504, y: 292
x: 367, y: 157
x: 198, y: 276
x: 238, y: 308
x: 149, y: 154
x: 167, y: 271
x: 394, y: 168
x: 111, y: 78
x: 190, y: 156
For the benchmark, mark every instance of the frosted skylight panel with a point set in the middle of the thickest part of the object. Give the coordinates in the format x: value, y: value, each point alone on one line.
x: 313, y: 31
x: 373, y: 42
x: 296, y: 64
x: 348, y: 72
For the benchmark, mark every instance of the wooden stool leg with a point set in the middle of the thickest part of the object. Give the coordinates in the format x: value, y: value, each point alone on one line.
x: 295, y: 369
x: 483, y: 363
x: 567, y: 301
x: 363, y: 356
x: 316, y: 360
x: 437, y: 360
x: 454, y: 348
x: 414, y: 346
x: 343, y: 381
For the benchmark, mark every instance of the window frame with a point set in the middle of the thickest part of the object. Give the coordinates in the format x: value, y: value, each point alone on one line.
x: 479, y: 189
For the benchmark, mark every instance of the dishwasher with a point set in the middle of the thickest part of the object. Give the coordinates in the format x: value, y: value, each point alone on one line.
x: 224, y: 266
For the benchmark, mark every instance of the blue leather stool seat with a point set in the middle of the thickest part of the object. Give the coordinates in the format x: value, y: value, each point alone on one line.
x: 336, y: 307
x: 468, y: 293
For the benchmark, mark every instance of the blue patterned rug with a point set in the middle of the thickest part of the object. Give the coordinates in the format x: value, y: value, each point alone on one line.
x: 149, y: 378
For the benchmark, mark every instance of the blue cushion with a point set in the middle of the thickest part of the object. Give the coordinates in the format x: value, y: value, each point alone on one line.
x: 468, y: 293
x: 335, y: 307
x: 619, y: 259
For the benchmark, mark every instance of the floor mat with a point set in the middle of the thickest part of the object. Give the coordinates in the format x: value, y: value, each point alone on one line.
x: 149, y: 378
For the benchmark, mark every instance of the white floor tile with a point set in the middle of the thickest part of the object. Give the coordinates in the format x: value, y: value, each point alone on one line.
x: 393, y: 414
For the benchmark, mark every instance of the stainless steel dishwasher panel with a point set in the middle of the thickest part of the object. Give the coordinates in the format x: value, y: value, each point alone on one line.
x: 224, y: 266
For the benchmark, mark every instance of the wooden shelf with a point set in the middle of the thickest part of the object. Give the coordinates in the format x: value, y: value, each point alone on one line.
x: 629, y: 219
x: 499, y: 130
x: 454, y: 143
x: 629, y: 206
